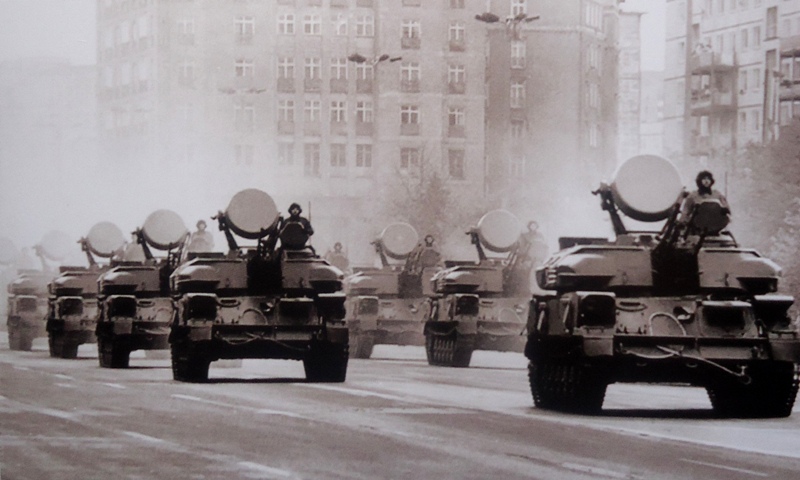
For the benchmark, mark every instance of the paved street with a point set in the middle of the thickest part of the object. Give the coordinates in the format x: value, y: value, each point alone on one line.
x: 395, y: 417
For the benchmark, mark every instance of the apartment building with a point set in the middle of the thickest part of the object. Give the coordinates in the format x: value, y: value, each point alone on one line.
x: 729, y: 78
x: 330, y: 100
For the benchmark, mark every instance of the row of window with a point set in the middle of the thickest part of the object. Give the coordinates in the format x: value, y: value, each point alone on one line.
x: 312, y: 112
x: 749, y: 80
x: 749, y: 120
x: 409, y: 160
x: 748, y: 38
x: 244, y: 27
x: 718, y: 7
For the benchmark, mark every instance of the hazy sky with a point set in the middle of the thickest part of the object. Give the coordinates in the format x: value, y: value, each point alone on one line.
x: 66, y: 29
x: 51, y: 28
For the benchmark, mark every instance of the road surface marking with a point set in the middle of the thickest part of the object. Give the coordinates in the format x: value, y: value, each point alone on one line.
x: 146, y: 438
x: 63, y: 377
x: 64, y: 385
x: 265, y: 469
x: 424, y: 411
x: 264, y: 411
x: 267, y: 411
x: 594, y: 470
x: 358, y: 393
x: 115, y: 385
x: 17, y: 367
x: 55, y: 413
x: 725, y: 467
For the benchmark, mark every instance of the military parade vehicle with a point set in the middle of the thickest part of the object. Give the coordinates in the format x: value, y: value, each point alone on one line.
x: 135, y: 306
x: 680, y: 304
x: 277, y: 299
x: 27, y: 293
x: 72, y: 304
x: 483, y: 305
x: 387, y: 305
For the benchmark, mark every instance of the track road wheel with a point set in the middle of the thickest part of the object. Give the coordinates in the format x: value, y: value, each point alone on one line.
x: 112, y: 355
x: 326, y: 362
x: 188, y: 366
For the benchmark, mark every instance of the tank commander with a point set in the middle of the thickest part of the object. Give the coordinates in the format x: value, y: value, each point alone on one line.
x: 704, y: 181
x: 337, y: 257
x: 201, y: 240
x: 294, y: 216
x: 423, y: 256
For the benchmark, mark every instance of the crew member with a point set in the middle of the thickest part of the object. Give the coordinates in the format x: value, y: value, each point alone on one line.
x: 704, y: 181
x: 201, y: 240
x: 337, y: 257
x: 294, y: 216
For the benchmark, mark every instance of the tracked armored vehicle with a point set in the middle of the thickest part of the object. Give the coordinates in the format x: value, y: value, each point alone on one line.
x: 135, y: 306
x: 683, y: 304
x: 27, y: 294
x: 276, y: 300
x: 387, y: 305
x: 72, y: 305
x: 483, y: 305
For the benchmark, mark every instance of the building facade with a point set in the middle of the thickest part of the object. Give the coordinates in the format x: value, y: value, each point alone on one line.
x: 558, y: 129
x: 729, y: 79
x: 330, y: 100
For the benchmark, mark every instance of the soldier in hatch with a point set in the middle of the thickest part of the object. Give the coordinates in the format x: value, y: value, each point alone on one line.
x: 704, y: 181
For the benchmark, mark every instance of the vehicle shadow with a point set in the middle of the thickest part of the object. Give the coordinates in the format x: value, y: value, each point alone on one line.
x: 275, y: 380
x: 662, y: 413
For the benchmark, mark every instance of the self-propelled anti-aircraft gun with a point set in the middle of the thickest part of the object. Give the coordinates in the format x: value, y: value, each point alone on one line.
x: 277, y: 299
x: 27, y: 293
x: 135, y: 306
x: 387, y: 305
x: 483, y: 305
x: 72, y: 306
x: 683, y: 304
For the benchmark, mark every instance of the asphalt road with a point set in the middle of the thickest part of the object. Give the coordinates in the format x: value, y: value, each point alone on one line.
x: 395, y: 417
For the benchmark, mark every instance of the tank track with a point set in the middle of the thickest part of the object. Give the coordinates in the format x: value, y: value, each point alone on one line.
x: 771, y: 393
x: 447, y: 350
x: 566, y: 386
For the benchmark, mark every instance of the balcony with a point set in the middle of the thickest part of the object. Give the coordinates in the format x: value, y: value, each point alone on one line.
x: 790, y: 46
x: 790, y: 90
x: 458, y: 88
x: 364, y: 85
x: 457, y: 46
x: 285, y: 127
x: 286, y: 85
x: 700, y: 145
x: 457, y: 131
x: 312, y: 85
x: 710, y: 102
x: 338, y: 128
x: 338, y: 85
x: 707, y: 62
x: 364, y: 129
x: 409, y: 129
x: 410, y: 43
x: 409, y: 86
x: 312, y: 128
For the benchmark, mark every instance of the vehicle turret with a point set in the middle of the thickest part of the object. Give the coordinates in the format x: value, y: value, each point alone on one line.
x: 683, y: 257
